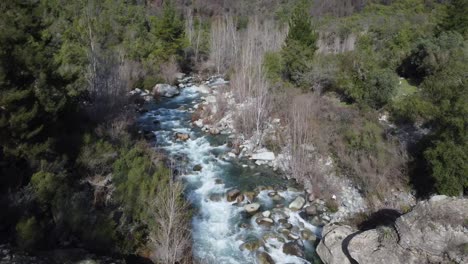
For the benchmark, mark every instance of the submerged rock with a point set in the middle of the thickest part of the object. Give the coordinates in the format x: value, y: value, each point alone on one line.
x: 294, y: 249
x: 297, y: 204
x: 219, y: 181
x: 251, y: 245
x: 308, y: 235
x: 215, y: 197
x: 264, y: 258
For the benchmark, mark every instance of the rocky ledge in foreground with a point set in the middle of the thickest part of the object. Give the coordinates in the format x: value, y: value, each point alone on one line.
x: 435, y: 231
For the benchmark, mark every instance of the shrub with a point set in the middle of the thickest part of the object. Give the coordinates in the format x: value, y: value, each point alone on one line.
x: 137, y: 179
x: 449, y: 167
x: 273, y: 66
x: 28, y: 233
x: 45, y: 185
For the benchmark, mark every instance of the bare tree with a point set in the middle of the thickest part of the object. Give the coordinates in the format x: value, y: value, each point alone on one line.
x: 171, y: 234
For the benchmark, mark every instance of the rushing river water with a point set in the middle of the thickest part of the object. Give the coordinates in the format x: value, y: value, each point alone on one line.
x: 219, y: 227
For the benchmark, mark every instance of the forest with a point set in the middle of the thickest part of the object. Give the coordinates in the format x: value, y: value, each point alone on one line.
x: 75, y: 171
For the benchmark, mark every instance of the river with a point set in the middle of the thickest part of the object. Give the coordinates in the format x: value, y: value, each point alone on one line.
x: 220, y: 229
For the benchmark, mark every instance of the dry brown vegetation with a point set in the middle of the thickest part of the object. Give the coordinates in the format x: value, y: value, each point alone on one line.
x: 320, y: 127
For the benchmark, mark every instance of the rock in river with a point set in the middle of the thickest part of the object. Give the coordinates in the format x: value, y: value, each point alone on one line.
x: 264, y: 258
x: 297, y: 204
x: 232, y: 195
x: 165, y: 90
x: 252, y: 208
x: 182, y: 136
x: 251, y: 245
x: 292, y: 248
x: 265, y: 221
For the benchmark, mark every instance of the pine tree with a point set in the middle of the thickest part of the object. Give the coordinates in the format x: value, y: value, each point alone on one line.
x: 457, y: 17
x: 170, y: 30
x: 300, y: 43
x: 31, y: 94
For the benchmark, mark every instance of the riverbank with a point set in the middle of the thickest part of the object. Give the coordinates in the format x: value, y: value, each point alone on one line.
x: 245, y: 212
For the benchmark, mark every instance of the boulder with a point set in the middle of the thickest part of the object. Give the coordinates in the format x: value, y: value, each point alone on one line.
x: 264, y: 156
x: 311, y: 210
x: 214, y: 131
x: 232, y: 195
x: 179, y: 75
x: 197, y: 167
x: 433, y: 232
x: 165, y: 90
x: 199, y: 123
x: 204, y: 88
x: 265, y: 221
x: 182, y: 136
x: 297, y: 204
x: 266, y: 214
x: 292, y: 236
x: 252, y: 208
x: 294, y: 249
x: 264, y: 258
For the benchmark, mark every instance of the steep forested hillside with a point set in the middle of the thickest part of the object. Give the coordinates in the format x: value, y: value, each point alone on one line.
x: 378, y: 86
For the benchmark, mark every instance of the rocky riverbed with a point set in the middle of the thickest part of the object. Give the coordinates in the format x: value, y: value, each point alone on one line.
x: 245, y: 210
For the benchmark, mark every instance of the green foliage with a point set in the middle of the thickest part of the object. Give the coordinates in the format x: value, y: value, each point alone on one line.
x: 362, y: 81
x: 97, y: 155
x: 432, y: 55
x: 273, y: 64
x: 45, y: 184
x: 300, y: 43
x: 367, y: 139
x: 31, y: 93
x: 29, y: 233
x: 456, y: 18
x: 449, y: 167
x: 137, y: 180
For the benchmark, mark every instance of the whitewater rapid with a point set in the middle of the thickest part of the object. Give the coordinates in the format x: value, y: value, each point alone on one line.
x: 216, y: 225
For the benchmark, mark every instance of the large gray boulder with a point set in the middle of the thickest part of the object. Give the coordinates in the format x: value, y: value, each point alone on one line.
x: 435, y: 231
x: 165, y: 90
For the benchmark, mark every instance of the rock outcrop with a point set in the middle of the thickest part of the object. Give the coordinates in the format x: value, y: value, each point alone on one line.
x: 435, y: 231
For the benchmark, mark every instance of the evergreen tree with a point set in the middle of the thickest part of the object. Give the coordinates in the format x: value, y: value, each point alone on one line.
x: 457, y: 17
x: 170, y: 29
x: 300, y: 43
x: 31, y: 93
